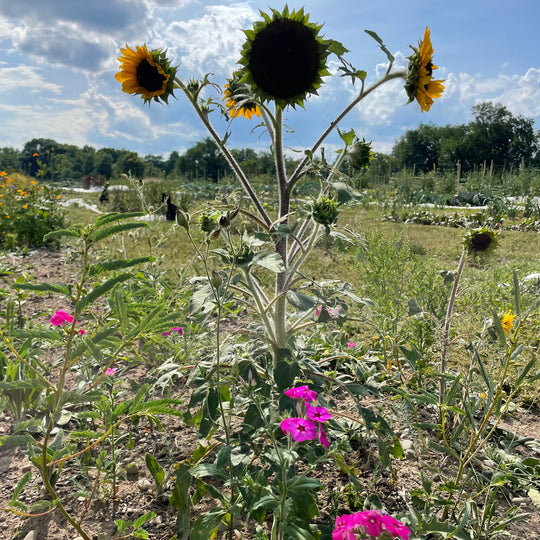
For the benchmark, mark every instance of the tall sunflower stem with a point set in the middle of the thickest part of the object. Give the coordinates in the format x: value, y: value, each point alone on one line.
x: 235, y: 166
x: 280, y: 308
x: 297, y: 174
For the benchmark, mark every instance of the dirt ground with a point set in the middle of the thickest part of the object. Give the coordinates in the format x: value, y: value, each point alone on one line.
x: 136, y: 494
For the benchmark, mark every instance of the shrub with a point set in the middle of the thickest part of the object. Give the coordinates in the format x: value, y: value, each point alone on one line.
x: 28, y: 211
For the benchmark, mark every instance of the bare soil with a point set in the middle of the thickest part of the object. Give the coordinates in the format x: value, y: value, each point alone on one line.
x: 136, y: 495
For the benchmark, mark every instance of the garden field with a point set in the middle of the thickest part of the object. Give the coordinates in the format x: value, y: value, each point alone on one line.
x: 143, y: 395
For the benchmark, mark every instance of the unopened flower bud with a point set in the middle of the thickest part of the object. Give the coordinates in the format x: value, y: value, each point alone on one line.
x: 216, y: 280
x: 325, y: 211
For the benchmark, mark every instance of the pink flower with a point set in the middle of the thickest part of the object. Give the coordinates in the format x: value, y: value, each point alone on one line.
x: 395, y: 527
x: 351, y: 345
x: 60, y: 317
x: 176, y: 329
x: 332, y: 312
x: 323, y: 439
x: 344, y: 527
x: 82, y: 332
x: 301, y: 392
x: 300, y: 429
x: 318, y: 414
x: 372, y: 522
x: 111, y: 371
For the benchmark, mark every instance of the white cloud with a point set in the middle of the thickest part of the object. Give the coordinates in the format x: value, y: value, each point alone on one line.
x: 523, y: 98
x: 519, y: 93
x: 27, y: 77
x: 63, y: 124
x: 212, y: 42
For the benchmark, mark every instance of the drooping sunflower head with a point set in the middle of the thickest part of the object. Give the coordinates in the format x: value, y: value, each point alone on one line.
x: 420, y: 84
x: 147, y: 73
x: 360, y: 154
x: 284, y: 57
x: 239, y: 99
x: 481, y: 241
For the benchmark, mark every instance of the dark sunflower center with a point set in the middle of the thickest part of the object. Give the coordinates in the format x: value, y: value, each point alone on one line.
x: 481, y: 242
x: 285, y: 58
x: 149, y: 77
x: 429, y: 68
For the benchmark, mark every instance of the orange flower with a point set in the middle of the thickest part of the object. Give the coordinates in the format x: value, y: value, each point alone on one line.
x: 3, y: 173
x: 58, y: 196
x: 25, y: 206
x: 35, y: 154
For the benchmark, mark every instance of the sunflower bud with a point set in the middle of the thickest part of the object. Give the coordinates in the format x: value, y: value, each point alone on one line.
x: 325, y: 211
x: 206, y: 223
x: 216, y: 280
x: 224, y: 222
x: 359, y: 154
x: 182, y: 219
x: 244, y: 256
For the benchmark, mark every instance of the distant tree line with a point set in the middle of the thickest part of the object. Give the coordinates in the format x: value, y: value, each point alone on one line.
x: 49, y: 160
x: 495, y: 139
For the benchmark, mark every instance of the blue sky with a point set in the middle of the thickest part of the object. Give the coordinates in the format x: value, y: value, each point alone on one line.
x: 58, y: 59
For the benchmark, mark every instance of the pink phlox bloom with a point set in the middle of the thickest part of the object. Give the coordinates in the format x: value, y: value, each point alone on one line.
x: 300, y: 429
x: 301, y: 392
x: 371, y: 521
x: 176, y: 329
x: 318, y: 414
x: 344, y: 527
x: 81, y: 332
x: 395, y: 527
x: 60, y: 317
x: 333, y: 312
x: 111, y: 371
x: 351, y: 345
x: 323, y: 439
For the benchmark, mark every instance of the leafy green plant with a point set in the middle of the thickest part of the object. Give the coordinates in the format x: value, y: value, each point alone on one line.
x: 28, y: 211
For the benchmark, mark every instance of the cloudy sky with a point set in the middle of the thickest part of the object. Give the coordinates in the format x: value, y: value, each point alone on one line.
x: 58, y: 59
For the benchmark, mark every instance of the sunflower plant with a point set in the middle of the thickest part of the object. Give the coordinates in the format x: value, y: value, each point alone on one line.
x: 283, y: 62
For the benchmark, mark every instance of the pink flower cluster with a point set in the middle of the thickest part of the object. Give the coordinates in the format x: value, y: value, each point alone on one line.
x: 60, y: 317
x: 332, y: 312
x: 309, y: 427
x: 370, y: 522
x: 176, y: 329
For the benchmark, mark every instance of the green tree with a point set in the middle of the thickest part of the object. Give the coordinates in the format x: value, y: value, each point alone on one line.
x: 129, y: 163
x: 419, y: 148
x: 103, y: 163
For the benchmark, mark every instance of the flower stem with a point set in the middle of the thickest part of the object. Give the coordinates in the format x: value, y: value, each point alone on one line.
x: 297, y: 174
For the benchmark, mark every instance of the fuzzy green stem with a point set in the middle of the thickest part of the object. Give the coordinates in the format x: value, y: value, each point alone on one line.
x: 365, y: 92
x: 227, y: 155
x: 446, y: 330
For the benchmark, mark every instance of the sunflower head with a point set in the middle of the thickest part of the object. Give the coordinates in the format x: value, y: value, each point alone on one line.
x: 284, y: 57
x: 481, y: 241
x: 507, y: 321
x: 238, y: 98
x: 360, y: 154
x: 147, y: 73
x: 419, y: 84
